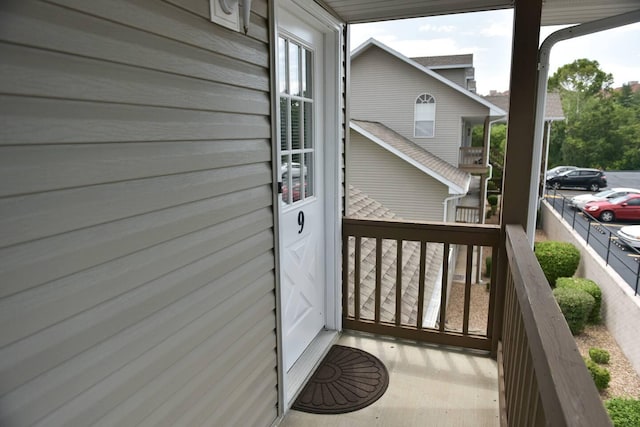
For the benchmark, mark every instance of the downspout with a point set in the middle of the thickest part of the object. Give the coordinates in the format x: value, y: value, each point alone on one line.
x: 446, y: 202
x: 543, y: 73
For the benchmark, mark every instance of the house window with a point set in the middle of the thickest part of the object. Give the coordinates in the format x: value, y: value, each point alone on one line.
x: 425, y: 116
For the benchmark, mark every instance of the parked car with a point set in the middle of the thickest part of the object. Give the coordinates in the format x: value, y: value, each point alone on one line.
x: 559, y: 169
x: 295, y: 169
x: 630, y: 235
x: 591, y: 179
x: 625, y: 207
x: 579, y: 202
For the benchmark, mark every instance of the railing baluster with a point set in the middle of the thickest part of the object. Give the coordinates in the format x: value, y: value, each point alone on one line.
x: 378, y: 289
x: 399, y: 283
x: 467, y: 290
x: 443, y: 295
x: 356, y: 279
x: 345, y: 275
x: 422, y: 274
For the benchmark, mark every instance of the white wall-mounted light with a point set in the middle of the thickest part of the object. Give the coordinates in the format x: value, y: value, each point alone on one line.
x: 226, y: 13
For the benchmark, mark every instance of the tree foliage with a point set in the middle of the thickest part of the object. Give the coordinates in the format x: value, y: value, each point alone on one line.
x: 602, y: 127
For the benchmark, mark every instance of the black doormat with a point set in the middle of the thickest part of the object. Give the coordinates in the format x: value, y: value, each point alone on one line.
x: 347, y: 379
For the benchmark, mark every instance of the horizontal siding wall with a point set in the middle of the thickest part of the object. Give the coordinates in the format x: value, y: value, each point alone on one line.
x: 136, y: 227
x: 384, y: 89
x: 405, y: 190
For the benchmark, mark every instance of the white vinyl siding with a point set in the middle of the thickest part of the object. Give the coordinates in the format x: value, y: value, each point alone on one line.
x: 136, y: 235
x: 384, y: 89
x: 402, y: 188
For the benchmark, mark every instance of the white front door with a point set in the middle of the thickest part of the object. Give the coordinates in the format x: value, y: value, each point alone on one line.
x: 302, y: 209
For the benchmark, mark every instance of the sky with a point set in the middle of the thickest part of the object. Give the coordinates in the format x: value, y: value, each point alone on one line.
x: 488, y: 36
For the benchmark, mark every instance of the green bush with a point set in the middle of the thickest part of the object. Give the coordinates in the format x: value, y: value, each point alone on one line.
x: 487, y: 266
x: 575, y: 306
x: 600, y: 375
x: 491, y: 186
x: 599, y: 355
x: 623, y: 412
x: 590, y: 287
x: 557, y: 259
x: 493, y: 200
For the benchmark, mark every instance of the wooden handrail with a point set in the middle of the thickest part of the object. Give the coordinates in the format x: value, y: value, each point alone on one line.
x: 546, y: 381
x: 414, y: 236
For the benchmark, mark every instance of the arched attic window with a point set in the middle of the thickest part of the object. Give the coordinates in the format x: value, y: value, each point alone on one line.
x: 425, y: 116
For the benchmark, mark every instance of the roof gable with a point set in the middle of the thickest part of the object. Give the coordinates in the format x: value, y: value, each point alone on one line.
x: 455, y: 179
x: 494, y: 111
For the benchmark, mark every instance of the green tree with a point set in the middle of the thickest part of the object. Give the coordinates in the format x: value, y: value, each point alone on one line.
x: 578, y: 81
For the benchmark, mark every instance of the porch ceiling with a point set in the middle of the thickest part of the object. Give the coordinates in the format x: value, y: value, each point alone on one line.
x: 554, y: 12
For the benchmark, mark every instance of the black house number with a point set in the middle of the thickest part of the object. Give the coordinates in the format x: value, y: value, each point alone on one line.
x: 300, y: 221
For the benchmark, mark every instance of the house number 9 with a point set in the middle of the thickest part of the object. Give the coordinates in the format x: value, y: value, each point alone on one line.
x: 300, y: 221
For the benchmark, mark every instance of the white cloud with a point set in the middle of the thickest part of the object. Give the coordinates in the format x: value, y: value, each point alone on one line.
x: 428, y: 28
x: 497, y: 30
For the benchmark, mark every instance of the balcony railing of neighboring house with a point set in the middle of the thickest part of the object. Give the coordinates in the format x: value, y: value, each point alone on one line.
x: 468, y: 214
x: 472, y: 158
x: 543, y: 379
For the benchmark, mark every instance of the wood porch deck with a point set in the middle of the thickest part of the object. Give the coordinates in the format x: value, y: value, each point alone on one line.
x: 428, y: 386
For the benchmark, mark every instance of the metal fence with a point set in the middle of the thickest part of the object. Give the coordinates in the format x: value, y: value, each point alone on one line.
x: 599, y: 237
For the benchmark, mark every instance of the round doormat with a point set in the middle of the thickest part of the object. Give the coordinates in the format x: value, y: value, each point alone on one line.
x: 347, y: 379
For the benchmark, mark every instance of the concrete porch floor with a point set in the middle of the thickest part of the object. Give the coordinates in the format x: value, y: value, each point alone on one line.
x: 428, y: 386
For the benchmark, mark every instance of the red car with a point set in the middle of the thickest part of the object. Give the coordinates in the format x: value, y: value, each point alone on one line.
x: 625, y: 207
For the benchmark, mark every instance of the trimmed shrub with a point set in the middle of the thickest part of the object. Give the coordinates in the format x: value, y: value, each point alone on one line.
x: 491, y: 186
x: 557, y: 259
x: 600, y: 375
x: 599, y: 355
x: 493, y: 200
x: 623, y: 412
x: 575, y: 306
x: 590, y: 287
x: 487, y: 266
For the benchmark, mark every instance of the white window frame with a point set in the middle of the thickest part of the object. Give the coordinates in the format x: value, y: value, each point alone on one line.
x: 424, y: 98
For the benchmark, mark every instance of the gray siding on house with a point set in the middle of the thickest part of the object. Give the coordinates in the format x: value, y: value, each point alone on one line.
x: 136, y: 227
x: 408, y: 192
x: 456, y: 75
x: 379, y: 81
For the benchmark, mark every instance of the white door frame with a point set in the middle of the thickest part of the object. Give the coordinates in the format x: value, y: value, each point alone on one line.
x: 334, y: 135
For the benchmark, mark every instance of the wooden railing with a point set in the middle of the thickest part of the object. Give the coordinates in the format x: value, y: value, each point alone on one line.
x: 472, y: 156
x: 544, y: 378
x: 411, y: 301
x: 468, y: 214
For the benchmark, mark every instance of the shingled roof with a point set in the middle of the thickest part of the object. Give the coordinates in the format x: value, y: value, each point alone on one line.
x: 363, y: 206
x: 553, y: 107
x: 454, y: 178
x: 446, y: 61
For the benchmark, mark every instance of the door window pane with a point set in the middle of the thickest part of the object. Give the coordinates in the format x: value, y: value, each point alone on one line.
x: 284, y: 118
x: 294, y: 69
x: 308, y: 125
x: 296, y: 171
x: 285, y: 163
x: 296, y: 120
x: 282, y: 65
x: 307, y: 70
x: 308, y: 175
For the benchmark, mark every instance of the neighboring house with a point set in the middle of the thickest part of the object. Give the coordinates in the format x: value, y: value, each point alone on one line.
x: 419, y: 107
x: 145, y: 253
x: 456, y: 68
x: 413, y: 183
